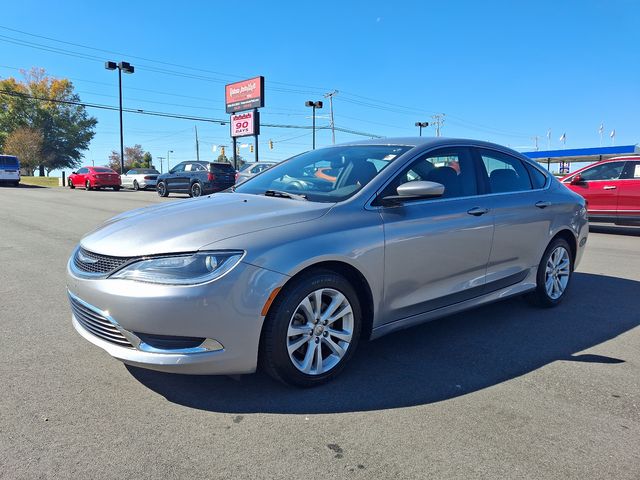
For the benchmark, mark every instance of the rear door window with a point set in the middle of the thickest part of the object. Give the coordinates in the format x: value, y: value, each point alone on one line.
x: 504, y: 172
x: 631, y: 171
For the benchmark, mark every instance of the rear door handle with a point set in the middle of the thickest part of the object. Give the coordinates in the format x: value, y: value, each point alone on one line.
x: 477, y: 211
x: 543, y: 204
x: 609, y: 187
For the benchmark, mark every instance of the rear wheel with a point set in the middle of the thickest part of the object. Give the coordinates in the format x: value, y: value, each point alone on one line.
x: 554, y: 275
x: 312, y: 330
x: 136, y: 187
x: 87, y: 185
x: 162, y: 190
x: 196, y: 190
x: 116, y: 188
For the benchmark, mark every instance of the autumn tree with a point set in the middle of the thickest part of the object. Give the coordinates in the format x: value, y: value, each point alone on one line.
x: 26, y: 144
x: 50, y: 105
x: 134, y: 157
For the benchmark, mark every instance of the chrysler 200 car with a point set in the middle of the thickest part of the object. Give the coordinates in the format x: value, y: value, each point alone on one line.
x: 291, y: 271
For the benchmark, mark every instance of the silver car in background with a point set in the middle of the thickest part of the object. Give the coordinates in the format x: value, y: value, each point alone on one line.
x: 250, y: 170
x: 140, y: 178
x: 292, y: 269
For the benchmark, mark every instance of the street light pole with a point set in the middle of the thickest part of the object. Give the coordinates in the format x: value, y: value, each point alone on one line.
x: 314, y: 105
x: 420, y: 125
x: 168, y: 152
x: 127, y: 68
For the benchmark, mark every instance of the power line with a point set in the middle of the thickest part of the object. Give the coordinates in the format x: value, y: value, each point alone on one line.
x: 186, y: 67
x: 175, y: 115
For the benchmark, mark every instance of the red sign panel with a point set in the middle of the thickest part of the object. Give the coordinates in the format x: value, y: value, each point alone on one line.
x: 245, y: 95
x: 245, y: 124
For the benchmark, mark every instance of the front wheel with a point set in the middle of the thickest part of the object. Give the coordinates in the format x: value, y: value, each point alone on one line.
x: 71, y: 185
x: 116, y: 189
x: 87, y: 185
x: 196, y: 190
x: 312, y: 330
x: 554, y: 275
x: 136, y: 187
x: 162, y: 190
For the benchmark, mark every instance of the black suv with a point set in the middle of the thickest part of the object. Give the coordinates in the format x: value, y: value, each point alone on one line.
x: 196, y: 178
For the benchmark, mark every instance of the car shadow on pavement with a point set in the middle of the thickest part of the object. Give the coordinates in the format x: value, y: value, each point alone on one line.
x: 433, y: 362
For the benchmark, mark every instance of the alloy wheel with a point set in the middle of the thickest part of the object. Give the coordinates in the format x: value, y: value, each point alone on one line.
x: 557, y: 272
x: 320, y: 331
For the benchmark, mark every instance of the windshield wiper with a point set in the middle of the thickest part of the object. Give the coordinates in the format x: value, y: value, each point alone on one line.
x: 282, y: 194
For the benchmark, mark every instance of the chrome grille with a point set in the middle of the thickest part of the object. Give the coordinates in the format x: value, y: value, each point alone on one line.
x: 97, y: 324
x: 90, y: 262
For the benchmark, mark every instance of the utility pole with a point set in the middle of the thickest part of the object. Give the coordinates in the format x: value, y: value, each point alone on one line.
x: 438, y: 119
x: 197, y: 144
x: 330, y: 96
x: 160, y: 158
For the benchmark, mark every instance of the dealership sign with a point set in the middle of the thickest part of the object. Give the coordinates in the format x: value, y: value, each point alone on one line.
x: 245, y: 124
x: 245, y: 95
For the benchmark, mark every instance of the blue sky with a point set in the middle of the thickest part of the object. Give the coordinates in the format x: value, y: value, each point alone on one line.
x: 499, y: 71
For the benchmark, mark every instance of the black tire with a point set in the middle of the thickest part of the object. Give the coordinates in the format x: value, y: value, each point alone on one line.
x: 87, y: 185
x: 274, y: 355
x: 162, y: 189
x: 16, y: 183
x: 136, y: 187
x: 116, y: 189
x: 195, y: 190
x: 540, y: 297
x: 71, y: 185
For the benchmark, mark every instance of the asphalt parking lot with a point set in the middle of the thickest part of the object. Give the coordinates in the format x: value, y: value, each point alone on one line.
x: 505, y: 391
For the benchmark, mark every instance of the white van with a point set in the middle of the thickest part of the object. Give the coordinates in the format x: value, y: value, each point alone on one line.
x: 9, y: 170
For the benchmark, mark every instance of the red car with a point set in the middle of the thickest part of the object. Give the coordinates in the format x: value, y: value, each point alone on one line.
x: 611, y: 189
x: 95, y: 177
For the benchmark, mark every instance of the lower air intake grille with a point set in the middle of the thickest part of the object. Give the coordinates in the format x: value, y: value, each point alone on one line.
x: 97, y: 324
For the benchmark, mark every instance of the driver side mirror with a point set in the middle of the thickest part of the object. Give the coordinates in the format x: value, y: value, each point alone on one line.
x: 415, y: 190
x: 73, y: 173
x: 577, y: 180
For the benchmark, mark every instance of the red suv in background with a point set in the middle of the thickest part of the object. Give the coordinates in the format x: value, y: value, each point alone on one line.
x: 95, y: 177
x: 611, y: 189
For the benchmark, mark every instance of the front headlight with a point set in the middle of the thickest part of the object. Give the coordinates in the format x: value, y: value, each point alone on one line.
x: 187, y: 269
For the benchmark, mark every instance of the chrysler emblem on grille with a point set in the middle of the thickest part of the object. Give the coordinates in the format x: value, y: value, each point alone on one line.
x: 85, y: 259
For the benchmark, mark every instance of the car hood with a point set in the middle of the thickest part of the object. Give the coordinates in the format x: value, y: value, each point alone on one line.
x: 186, y: 226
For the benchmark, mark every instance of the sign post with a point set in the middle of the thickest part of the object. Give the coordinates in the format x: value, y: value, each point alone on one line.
x: 242, y: 100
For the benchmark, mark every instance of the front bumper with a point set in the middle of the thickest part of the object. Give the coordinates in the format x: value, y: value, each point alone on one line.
x: 226, y: 312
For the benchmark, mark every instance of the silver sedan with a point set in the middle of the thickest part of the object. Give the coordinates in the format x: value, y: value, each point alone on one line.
x: 295, y: 267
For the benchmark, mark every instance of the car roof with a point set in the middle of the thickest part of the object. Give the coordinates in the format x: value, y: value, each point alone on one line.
x: 430, y: 142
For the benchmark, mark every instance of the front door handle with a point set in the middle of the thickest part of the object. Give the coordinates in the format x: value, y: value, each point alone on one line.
x: 609, y: 187
x: 477, y: 211
x: 543, y: 204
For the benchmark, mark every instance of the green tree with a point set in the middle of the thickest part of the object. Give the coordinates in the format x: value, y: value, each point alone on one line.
x: 147, y: 160
x: 47, y: 104
x: 26, y: 144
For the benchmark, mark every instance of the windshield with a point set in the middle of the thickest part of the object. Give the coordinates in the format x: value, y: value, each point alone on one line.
x: 326, y: 175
